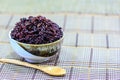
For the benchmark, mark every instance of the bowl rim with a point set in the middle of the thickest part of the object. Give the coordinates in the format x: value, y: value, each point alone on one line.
x: 46, y: 44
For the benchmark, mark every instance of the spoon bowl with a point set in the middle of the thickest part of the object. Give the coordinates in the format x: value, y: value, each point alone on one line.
x: 54, y: 71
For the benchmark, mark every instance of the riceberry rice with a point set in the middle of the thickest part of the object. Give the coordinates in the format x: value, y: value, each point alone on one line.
x: 36, y: 30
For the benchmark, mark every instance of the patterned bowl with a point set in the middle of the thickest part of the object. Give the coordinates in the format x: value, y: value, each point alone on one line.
x: 36, y: 53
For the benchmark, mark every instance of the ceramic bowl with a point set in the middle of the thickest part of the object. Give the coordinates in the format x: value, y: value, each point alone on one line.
x: 36, y: 53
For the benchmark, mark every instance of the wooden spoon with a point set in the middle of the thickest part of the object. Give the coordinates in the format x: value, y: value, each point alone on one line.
x: 51, y: 70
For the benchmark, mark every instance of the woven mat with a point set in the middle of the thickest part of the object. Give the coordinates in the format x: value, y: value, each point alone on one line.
x: 90, y: 51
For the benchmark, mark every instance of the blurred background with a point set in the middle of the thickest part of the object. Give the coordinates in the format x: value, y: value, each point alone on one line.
x: 58, y: 6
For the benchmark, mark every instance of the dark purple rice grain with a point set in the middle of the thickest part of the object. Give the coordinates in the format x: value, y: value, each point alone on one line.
x: 36, y: 30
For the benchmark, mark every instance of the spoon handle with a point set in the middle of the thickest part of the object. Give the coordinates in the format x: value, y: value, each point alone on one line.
x: 21, y: 63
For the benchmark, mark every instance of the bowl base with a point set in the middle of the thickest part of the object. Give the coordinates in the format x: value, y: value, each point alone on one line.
x: 35, y: 61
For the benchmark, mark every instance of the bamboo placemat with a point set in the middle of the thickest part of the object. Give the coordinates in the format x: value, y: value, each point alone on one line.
x: 90, y: 51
